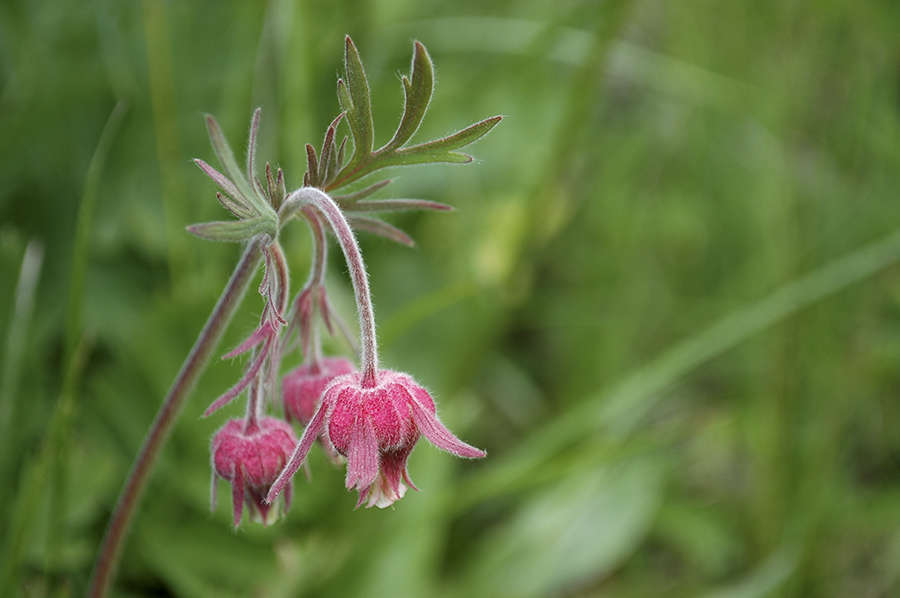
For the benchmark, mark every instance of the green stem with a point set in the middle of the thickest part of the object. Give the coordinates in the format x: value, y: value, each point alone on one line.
x: 108, y: 556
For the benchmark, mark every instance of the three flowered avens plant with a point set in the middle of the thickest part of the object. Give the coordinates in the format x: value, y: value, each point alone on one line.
x: 367, y: 416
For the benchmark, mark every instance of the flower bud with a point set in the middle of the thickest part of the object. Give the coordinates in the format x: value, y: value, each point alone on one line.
x: 302, y: 387
x: 251, y: 457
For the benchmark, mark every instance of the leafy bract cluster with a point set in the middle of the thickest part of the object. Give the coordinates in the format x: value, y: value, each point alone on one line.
x: 255, y: 206
x: 258, y: 207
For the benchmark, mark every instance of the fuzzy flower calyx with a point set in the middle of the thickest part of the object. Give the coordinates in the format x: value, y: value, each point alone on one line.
x: 250, y: 457
x: 375, y: 426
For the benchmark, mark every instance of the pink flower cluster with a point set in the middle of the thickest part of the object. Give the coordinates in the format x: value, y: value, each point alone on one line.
x: 374, y: 427
x: 371, y: 418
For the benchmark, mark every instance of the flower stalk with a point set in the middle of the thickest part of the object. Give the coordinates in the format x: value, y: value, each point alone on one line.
x: 111, y: 546
x: 360, y: 279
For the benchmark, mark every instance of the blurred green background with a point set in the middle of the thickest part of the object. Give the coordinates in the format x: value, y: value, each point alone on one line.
x: 668, y: 304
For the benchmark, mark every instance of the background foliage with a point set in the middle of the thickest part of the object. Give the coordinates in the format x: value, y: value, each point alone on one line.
x: 667, y: 304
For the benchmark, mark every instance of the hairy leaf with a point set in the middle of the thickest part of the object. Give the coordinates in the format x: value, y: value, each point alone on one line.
x: 312, y: 167
x: 233, y: 206
x: 235, y: 230
x: 348, y: 198
x: 395, y: 205
x: 418, y: 88
x: 225, y: 184
x: 359, y: 111
x: 328, y: 165
x: 468, y: 135
x: 244, y: 191
x: 354, y: 98
x: 251, y: 153
x: 380, y: 228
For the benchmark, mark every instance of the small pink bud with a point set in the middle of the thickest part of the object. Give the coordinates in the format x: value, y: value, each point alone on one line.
x: 251, y: 457
x: 302, y: 387
x: 375, y: 427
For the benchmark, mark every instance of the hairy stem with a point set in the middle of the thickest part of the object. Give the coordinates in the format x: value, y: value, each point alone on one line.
x: 282, y: 281
x: 320, y: 249
x: 274, y: 347
x: 316, y: 285
x: 332, y: 213
x: 254, y: 410
x: 108, y: 556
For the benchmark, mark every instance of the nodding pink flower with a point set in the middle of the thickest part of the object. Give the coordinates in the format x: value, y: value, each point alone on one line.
x: 375, y: 427
x: 250, y: 456
x: 302, y: 387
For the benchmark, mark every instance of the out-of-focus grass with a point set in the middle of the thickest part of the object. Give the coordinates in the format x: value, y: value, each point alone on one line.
x: 667, y: 304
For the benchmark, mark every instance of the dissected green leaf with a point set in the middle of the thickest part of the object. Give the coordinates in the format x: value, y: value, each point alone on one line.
x: 251, y: 153
x: 400, y: 159
x: 341, y: 149
x: 230, y: 165
x: 418, y: 88
x: 311, y: 178
x: 353, y: 95
x: 328, y: 165
x: 245, y: 192
x: 348, y: 198
x: 225, y: 184
x: 270, y: 180
x: 235, y: 230
x: 280, y: 189
x: 468, y: 135
x: 359, y: 112
x: 233, y: 206
x: 395, y: 205
x: 344, y: 97
x: 274, y: 188
x: 439, y: 150
x: 380, y: 228
x: 424, y: 157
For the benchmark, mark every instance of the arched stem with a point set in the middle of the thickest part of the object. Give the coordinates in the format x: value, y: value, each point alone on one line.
x: 347, y: 240
x: 320, y: 248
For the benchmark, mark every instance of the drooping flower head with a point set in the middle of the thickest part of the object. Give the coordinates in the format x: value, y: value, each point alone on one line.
x: 375, y: 426
x: 251, y: 457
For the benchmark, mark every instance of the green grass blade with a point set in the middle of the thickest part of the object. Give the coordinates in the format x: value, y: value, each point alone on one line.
x: 619, y: 411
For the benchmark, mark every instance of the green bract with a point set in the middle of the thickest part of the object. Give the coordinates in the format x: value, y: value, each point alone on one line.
x: 256, y: 206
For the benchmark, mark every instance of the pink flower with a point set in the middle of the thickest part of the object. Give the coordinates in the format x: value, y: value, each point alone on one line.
x: 302, y: 387
x: 250, y: 457
x: 375, y: 427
